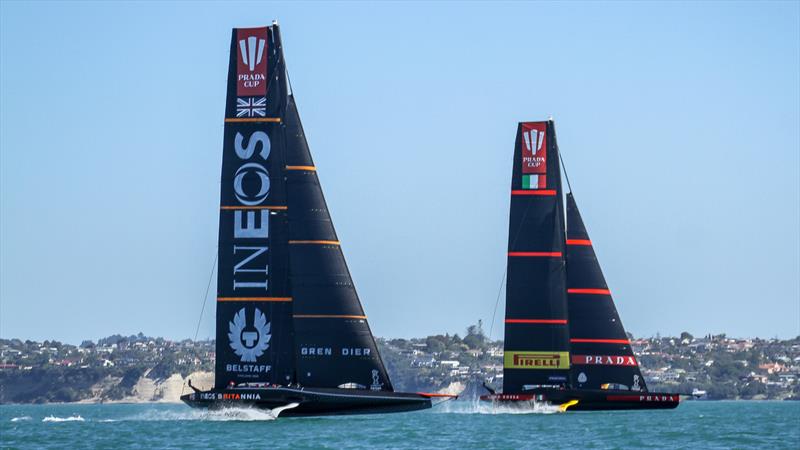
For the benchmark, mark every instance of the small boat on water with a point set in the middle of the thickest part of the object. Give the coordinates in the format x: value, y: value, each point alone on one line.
x: 291, y: 333
x: 564, y: 341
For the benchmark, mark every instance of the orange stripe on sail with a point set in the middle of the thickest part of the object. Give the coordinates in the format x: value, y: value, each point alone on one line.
x: 545, y: 192
x: 543, y: 321
x: 600, y: 341
x: 327, y: 316
x: 281, y: 208
x: 254, y: 299
x: 311, y: 168
x: 589, y: 291
x: 543, y: 254
x: 579, y: 242
x: 253, y: 119
x: 316, y: 242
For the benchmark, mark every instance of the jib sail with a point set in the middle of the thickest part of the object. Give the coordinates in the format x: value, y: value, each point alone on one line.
x: 333, y: 342
x: 536, y: 331
x: 601, y: 352
x: 254, y: 303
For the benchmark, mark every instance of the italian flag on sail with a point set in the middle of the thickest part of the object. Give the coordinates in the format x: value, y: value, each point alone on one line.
x: 534, y: 181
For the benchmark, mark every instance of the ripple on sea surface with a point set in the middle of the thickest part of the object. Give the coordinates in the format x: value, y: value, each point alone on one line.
x: 458, y: 425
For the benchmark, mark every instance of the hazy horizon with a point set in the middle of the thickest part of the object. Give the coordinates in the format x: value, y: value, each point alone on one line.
x: 460, y: 333
x: 679, y: 124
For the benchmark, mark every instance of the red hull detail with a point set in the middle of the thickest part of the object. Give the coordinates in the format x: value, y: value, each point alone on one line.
x: 435, y: 395
x: 590, y: 400
x: 644, y: 398
x: 508, y: 397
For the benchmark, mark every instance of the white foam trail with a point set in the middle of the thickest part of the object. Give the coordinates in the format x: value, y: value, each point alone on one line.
x: 216, y: 415
x: 75, y: 418
x: 166, y: 416
x: 481, y: 407
x: 239, y: 414
x: 20, y: 419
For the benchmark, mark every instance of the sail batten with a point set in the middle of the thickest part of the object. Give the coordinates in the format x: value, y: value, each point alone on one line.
x: 589, y: 291
x: 538, y: 321
x: 540, y: 193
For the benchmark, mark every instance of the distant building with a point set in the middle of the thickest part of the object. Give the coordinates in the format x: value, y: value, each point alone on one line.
x: 772, y: 367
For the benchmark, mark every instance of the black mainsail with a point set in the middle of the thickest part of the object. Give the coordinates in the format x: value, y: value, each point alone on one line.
x: 536, y: 349
x: 291, y: 331
x: 564, y: 341
x: 254, y: 301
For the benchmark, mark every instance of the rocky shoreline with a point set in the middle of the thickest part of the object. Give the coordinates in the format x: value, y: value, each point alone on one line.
x: 168, y: 390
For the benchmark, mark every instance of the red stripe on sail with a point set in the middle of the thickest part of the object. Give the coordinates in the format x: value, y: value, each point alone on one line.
x: 589, y: 291
x: 579, y: 242
x: 546, y: 192
x: 550, y: 321
x: 545, y: 254
x: 600, y: 341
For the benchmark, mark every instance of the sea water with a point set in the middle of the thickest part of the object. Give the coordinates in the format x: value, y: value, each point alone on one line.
x: 458, y: 425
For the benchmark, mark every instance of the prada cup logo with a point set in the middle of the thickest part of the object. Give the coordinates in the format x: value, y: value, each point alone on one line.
x: 534, y: 154
x: 252, y: 50
x: 533, y: 140
x: 251, y: 62
x: 249, y: 343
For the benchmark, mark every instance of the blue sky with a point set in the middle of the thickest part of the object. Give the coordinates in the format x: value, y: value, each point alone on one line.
x: 678, y: 123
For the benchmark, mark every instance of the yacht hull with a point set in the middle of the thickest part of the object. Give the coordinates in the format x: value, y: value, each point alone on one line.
x: 310, y: 401
x: 589, y: 400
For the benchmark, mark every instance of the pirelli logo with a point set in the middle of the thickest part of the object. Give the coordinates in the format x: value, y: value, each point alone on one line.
x: 535, y: 360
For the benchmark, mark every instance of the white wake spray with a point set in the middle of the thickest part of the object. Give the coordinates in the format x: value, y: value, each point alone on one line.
x: 480, y: 407
x: 215, y: 415
x: 73, y: 418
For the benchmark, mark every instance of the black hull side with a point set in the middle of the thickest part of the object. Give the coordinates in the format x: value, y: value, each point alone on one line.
x: 590, y: 400
x: 311, y: 401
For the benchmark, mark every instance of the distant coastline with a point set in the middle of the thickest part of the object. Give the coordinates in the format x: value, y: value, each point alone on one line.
x: 142, y: 369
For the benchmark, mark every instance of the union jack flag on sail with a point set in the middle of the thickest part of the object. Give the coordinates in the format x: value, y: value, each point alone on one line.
x: 251, y: 106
